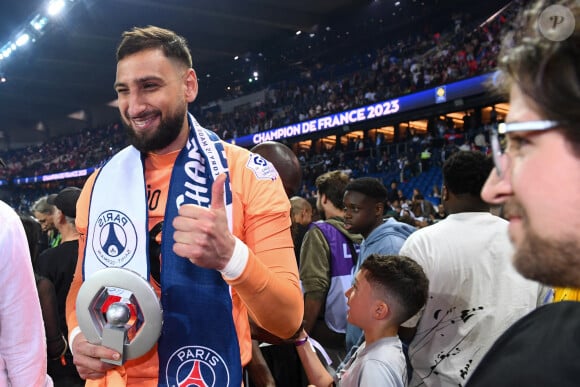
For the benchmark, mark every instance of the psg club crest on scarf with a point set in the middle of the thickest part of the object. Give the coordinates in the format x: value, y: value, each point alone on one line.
x: 114, y: 238
x: 196, y: 366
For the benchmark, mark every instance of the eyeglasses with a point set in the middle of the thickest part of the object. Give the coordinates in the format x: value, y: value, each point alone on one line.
x: 525, y: 126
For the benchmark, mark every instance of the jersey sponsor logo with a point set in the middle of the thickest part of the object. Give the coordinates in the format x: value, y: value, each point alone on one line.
x: 196, y: 366
x: 263, y: 169
x: 114, y: 238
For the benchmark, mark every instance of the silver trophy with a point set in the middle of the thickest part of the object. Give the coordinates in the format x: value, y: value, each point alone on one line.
x: 117, y: 308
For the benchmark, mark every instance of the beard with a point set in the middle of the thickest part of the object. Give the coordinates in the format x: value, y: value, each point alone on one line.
x: 550, y: 261
x: 167, y: 131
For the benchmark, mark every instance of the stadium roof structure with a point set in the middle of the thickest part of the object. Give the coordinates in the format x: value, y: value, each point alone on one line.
x: 63, y: 80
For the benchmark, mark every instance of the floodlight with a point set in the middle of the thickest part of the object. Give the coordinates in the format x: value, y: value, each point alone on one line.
x: 39, y: 22
x: 7, y: 50
x: 55, y: 7
x: 22, y: 39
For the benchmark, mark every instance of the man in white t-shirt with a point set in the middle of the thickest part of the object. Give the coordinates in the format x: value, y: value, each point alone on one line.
x: 475, y: 294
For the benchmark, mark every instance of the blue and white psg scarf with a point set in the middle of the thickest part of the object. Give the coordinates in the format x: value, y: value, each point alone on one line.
x: 198, y: 344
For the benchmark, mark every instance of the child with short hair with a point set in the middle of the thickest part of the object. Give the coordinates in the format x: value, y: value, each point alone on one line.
x: 387, y: 290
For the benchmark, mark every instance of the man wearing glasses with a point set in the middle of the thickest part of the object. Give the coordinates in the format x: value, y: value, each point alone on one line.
x: 537, y: 180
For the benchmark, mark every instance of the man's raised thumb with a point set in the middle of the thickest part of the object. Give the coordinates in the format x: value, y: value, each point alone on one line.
x: 217, y: 192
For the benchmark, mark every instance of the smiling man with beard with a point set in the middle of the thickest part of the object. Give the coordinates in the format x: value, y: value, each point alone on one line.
x: 186, y: 211
x: 537, y: 180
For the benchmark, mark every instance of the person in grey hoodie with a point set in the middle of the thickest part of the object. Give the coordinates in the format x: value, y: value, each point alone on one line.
x: 364, y: 205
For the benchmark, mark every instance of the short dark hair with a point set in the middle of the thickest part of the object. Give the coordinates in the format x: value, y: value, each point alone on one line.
x: 465, y: 172
x: 545, y: 70
x: 144, y: 38
x: 369, y: 186
x: 332, y: 184
x: 401, y: 279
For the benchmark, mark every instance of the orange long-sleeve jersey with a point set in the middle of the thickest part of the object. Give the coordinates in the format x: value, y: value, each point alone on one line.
x: 268, y: 289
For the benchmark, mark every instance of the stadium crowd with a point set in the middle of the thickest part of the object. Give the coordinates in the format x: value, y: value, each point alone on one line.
x: 328, y: 85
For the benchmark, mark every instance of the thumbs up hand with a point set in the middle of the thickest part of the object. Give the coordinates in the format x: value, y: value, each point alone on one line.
x: 202, y: 234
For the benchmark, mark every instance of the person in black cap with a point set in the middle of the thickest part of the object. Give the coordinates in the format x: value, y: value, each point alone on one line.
x: 58, y: 264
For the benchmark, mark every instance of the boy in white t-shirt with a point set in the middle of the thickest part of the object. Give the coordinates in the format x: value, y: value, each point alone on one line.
x: 387, y: 290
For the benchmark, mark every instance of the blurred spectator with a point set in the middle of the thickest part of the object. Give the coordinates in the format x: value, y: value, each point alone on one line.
x: 22, y: 337
x: 58, y: 265
x: 327, y: 257
x: 43, y: 212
